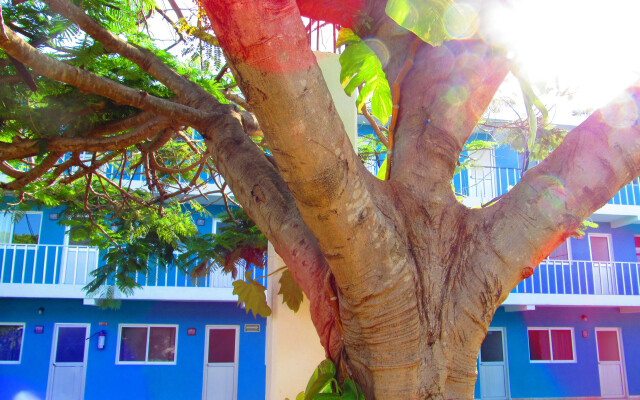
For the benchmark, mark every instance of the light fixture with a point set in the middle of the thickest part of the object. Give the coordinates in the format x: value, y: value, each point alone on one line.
x: 40, y: 310
x: 583, y: 317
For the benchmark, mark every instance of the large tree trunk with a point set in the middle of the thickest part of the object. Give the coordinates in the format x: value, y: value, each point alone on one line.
x: 418, y: 276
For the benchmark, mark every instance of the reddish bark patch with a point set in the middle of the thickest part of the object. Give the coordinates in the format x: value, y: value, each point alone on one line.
x: 341, y: 12
x: 527, y: 272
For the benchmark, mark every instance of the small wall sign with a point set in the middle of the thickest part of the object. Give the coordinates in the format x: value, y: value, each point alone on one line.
x: 38, y: 329
x: 585, y: 333
x: 200, y: 221
x: 191, y: 331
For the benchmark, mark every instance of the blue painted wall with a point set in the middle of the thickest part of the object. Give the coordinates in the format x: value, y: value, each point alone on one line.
x: 534, y: 380
x: 104, y: 378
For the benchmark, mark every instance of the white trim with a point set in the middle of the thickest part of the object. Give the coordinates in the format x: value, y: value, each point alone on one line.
x: 23, y: 324
x: 214, y: 225
x: 146, y: 361
x: 54, y: 350
x: 549, y: 329
x: 235, y: 357
x: 618, y: 331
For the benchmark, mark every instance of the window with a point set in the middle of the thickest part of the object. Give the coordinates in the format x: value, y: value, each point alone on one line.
x: 20, y: 230
x: 551, y: 345
x: 637, y: 238
x: 11, y: 343
x: 147, y: 344
x: 561, y: 252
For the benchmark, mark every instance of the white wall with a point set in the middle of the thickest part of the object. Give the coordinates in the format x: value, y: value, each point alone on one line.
x: 293, y: 347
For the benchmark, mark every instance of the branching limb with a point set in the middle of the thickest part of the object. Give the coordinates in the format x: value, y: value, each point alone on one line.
x: 146, y: 60
x: 92, y: 83
x: 28, y: 148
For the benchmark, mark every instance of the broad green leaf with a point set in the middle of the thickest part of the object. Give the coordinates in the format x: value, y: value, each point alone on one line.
x: 425, y: 18
x: 321, y: 379
x: 290, y: 291
x: 346, y: 36
x: 361, y: 66
x: 382, y: 172
x: 253, y: 295
x: 300, y: 396
x: 351, y: 391
x: 327, y: 396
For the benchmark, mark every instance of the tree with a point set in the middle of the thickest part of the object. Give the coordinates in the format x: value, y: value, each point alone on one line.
x: 403, y: 279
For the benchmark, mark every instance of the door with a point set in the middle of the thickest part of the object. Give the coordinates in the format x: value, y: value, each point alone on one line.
x: 220, y: 363
x: 68, y: 362
x: 603, y: 273
x: 610, y: 363
x: 494, y: 381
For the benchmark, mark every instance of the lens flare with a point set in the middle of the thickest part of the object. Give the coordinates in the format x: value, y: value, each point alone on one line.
x: 461, y: 20
x: 380, y: 49
x: 622, y: 112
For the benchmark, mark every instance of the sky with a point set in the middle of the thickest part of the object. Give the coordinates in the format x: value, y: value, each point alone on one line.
x: 587, y: 48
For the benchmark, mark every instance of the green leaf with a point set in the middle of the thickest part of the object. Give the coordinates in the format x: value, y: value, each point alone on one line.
x: 290, y: 291
x: 346, y: 36
x: 327, y: 396
x: 321, y: 379
x: 425, y: 18
x: 361, y: 66
x: 300, y: 396
x: 253, y: 295
x: 382, y: 172
x: 351, y: 391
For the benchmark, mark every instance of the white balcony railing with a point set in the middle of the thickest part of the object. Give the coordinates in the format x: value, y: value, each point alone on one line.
x: 574, y: 277
x: 487, y: 183
x: 41, y: 268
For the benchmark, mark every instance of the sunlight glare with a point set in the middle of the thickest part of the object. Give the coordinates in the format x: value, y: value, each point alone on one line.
x: 589, y: 47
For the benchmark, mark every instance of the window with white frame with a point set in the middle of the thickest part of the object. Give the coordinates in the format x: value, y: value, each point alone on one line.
x: 21, y: 229
x: 147, y: 344
x: 11, y: 335
x: 561, y: 253
x: 551, y: 345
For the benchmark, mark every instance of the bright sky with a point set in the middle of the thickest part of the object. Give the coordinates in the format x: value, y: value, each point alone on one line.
x: 589, y: 47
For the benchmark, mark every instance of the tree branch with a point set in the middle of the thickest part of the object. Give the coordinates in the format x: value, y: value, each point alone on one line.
x: 92, y: 83
x: 32, y: 147
x: 146, y: 60
x: 595, y: 160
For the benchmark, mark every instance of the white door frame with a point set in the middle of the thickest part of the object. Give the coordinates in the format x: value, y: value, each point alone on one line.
x: 607, y: 265
x: 54, y: 348
x: 505, y: 357
x: 206, y: 358
x: 625, y: 388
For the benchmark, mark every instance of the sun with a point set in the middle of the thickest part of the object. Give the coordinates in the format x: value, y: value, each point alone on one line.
x: 588, y: 47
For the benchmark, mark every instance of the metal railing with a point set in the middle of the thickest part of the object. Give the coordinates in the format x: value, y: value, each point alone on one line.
x: 487, y: 183
x: 31, y: 264
x: 583, y: 278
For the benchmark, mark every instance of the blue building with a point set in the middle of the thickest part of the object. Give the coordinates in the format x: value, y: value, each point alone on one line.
x: 177, y: 337
x: 572, y: 329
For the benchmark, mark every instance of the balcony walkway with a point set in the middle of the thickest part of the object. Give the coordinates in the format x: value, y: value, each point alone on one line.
x: 59, y: 271
x: 487, y: 183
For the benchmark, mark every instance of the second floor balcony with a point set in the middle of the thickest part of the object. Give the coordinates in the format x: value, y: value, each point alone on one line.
x: 61, y: 271
x: 481, y: 184
x: 58, y: 271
